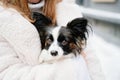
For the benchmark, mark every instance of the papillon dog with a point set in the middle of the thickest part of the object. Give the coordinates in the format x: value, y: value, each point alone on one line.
x: 60, y: 42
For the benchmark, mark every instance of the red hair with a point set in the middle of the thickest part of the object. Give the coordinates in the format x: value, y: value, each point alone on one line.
x: 49, y: 9
x: 20, y: 5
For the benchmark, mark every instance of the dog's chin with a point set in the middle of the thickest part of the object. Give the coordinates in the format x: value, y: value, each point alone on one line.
x: 45, y: 57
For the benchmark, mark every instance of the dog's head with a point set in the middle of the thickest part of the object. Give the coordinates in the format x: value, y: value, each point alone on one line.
x: 64, y: 40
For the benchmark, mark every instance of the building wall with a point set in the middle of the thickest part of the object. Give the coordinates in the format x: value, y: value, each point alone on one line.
x: 109, y: 31
x: 114, y: 6
x: 107, y: 27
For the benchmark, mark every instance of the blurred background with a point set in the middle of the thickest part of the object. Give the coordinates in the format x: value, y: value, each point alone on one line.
x: 104, y: 16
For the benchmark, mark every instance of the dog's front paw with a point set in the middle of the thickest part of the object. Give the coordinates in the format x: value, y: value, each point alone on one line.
x: 41, y: 60
x: 43, y: 56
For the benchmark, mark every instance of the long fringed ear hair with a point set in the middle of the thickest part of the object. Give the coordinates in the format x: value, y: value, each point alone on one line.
x: 49, y: 10
x: 41, y: 23
x: 78, y: 28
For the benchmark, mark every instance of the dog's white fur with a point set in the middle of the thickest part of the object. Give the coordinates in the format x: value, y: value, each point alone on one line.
x: 45, y: 55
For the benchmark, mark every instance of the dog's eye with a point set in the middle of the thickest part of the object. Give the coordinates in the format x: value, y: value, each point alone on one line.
x: 64, y: 42
x: 48, y: 41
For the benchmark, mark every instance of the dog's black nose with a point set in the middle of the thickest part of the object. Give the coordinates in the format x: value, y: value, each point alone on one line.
x: 54, y: 53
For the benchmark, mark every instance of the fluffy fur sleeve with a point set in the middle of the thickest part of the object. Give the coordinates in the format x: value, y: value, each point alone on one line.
x: 19, y: 52
x: 67, y: 10
x: 19, y: 48
x: 21, y: 34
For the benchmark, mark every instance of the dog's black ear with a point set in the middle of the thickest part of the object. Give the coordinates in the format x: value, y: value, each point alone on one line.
x: 78, y: 27
x: 41, y: 21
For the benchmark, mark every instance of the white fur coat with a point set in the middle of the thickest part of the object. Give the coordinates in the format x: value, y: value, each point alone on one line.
x: 20, y: 49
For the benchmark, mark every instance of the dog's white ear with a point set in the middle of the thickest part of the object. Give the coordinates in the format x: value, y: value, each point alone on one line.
x: 78, y: 27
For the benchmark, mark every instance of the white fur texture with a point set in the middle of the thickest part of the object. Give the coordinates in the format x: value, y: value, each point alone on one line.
x: 46, y: 57
x: 20, y: 34
x: 105, y: 55
x: 66, y: 12
x: 20, y: 49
